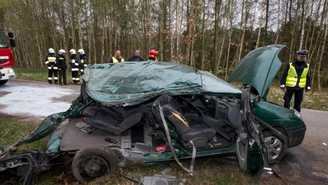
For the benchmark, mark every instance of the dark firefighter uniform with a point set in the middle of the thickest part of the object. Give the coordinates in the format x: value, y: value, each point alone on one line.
x: 75, y: 68
x: 295, y: 78
x: 50, y: 61
x: 62, y: 66
x: 83, y: 62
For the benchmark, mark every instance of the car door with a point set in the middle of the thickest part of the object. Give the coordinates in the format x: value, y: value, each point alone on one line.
x: 250, y: 147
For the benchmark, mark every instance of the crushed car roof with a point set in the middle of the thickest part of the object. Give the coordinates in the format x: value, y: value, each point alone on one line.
x: 132, y: 83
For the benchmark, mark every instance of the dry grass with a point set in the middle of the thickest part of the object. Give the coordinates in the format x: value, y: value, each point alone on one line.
x: 312, y: 100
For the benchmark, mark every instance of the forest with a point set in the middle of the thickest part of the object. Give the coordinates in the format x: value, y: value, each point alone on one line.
x: 210, y: 35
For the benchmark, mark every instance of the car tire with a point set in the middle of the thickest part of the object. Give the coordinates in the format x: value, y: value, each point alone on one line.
x: 3, y: 82
x: 92, y: 162
x: 276, y: 146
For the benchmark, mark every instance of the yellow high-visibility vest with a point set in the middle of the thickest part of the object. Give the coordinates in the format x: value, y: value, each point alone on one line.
x: 116, y: 61
x: 291, y: 80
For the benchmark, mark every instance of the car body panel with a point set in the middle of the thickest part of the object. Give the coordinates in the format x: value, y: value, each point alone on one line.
x: 283, y: 118
x: 132, y: 83
x: 258, y: 68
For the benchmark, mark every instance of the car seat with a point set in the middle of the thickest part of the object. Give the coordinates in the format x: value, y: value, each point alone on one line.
x: 114, y: 119
x: 195, y: 131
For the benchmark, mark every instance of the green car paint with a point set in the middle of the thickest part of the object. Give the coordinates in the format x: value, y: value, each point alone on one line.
x: 258, y: 68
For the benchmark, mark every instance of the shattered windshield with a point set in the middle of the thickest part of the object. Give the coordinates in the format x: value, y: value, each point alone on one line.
x: 3, y: 43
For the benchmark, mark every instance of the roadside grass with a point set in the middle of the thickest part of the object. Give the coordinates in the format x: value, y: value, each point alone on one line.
x: 316, y: 100
x: 13, y: 129
x: 32, y: 74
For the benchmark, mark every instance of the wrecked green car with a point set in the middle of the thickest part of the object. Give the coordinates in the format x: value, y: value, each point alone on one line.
x: 143, y: 113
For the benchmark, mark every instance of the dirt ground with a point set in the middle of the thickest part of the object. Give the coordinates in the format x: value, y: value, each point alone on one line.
x: 306, y: 164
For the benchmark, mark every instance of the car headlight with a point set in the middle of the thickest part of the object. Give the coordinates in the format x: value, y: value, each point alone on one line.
x: 10, y: 71
x: 298, y: 114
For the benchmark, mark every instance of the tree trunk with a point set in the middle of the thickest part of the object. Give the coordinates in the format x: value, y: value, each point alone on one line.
x: 244, y: 31
x: 203, y: 38
x: 278, y: 24
x: 321, y: 57
x: 260, y: 28
x: 302, y: 25
x: 266, y: 19
x: 216, y: 37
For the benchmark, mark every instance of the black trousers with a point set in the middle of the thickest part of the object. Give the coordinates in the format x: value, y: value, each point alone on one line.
x: 52, y: 75
x: 75, y: 76
x: 62, y: 76
x: 298, y: 98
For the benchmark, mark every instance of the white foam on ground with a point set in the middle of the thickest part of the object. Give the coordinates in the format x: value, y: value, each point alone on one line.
x: 33, y: 101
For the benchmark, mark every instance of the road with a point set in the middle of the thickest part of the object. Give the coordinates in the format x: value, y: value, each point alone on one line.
x: 304, y: 164
x: 308, y: 163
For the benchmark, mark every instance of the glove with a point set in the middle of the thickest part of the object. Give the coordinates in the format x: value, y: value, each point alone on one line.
x: 282, y: 87
x: 308, y: 88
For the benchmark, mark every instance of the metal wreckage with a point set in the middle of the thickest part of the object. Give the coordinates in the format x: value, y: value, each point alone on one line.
x: 144, y: 113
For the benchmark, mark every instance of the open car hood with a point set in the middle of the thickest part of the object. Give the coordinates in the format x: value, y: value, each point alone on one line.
x: 258, y: 68
x: 132, y: 83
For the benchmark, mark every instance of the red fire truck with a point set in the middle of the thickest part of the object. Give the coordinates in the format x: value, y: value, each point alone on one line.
x: 6, y: 57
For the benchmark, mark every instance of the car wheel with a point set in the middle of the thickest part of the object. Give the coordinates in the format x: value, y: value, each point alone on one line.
x: 276, y: 146
x: 3, y: 82
x: 92, y: 162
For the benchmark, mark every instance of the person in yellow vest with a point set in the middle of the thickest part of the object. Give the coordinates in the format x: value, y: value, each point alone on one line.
x: 116, y: 58
x: 295, y: 79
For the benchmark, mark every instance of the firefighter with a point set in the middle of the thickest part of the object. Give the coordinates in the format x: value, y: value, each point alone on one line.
x: 116, y: 58
x: 62, y: 66
x: 295, y: 79
x: 74, y: 66
x: 50, y: 61
x: 152, y: 55
x: 83, y: 60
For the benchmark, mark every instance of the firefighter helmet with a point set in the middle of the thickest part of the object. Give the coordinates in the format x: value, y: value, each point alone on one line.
x: 81, y: 51
x: 72, y: 51
x: 152, y: 53
x: 61, y: 51
x: 51, y: 50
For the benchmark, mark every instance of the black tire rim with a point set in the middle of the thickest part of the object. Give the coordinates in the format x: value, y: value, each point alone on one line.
x: 92, y: 167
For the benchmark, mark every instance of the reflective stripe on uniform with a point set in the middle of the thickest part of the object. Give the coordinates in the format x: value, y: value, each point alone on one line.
x: 46, y: 62
x: 75, y: 69
x: 49, y: 78
x: 55, y: 78
x: 291, y: 80
x: 76, y: 64
x: 81, y: 70
x: 49, y: 67
x: 55, y: 68
x: 52, y: 59
x: 116, y: 61
x: 85, y: 65
x: 82, y: 61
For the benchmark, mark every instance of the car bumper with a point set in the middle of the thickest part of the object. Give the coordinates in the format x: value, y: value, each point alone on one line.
x: 7, y: 73
x: 296, y: 137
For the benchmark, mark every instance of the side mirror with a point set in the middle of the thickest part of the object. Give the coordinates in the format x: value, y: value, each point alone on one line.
x: 10, y: 34
x: 12, y: 42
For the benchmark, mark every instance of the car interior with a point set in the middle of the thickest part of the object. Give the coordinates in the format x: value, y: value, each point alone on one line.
x: 208, y: 121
